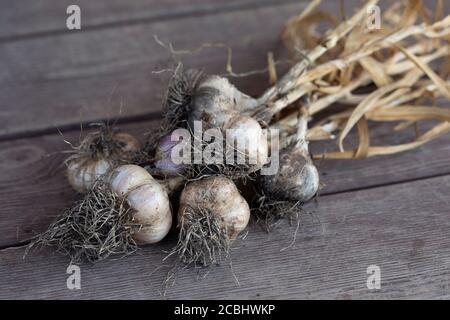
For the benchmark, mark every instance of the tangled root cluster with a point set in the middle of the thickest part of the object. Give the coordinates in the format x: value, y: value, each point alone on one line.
x: 203, y: 241
x: 178, y: 97
x: 234, y: 172
x: 174, y: 109
x: 99, y: 144
x: 96, y: 227
x: 269, y: 211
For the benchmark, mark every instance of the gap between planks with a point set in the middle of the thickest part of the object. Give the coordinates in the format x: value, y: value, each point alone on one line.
x: 68, y: 128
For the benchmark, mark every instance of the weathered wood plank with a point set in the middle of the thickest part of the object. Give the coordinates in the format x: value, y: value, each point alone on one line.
x: 33, y: 188
x: 48, y: 81
x: 412, y: 229
x: 403, y: 229
x: 27, y: 18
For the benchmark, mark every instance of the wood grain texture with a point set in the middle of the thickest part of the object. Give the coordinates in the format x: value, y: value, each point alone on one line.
x: 49, y: 76
x: 58, y: 79
x: 29, y: 18
x: 33, y: 187
x: 403, y: 229
x: 49, y: 81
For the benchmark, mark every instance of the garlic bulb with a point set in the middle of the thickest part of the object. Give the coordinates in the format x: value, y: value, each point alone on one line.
x: 297, y: 178
x: 218, y: 104
x: 96, y: 155
x: 211, y: 215
x: 148, y: 199
x: 219, y: 196
x: 82, y: 174
x: 163, y: 158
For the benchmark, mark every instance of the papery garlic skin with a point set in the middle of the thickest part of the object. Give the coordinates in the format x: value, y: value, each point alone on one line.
x: 127, y: 177
x: 83, y: 171
x: 221, y: 197
x: 83, y: 174
x: 148, y: 199
x: 215, y: 97
x: 219, y: 104
x: 251, y: 139
x: 297, y: 178
x: 164, y: 165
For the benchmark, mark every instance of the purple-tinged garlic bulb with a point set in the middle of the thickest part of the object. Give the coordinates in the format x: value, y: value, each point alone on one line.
x: 164, y: 165
x: 97, y: 154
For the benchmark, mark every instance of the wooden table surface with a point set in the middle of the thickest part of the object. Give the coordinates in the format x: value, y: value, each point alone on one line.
x: 392, y: 212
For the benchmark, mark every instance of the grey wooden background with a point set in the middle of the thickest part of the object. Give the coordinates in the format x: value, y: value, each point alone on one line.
x: 393, y: 212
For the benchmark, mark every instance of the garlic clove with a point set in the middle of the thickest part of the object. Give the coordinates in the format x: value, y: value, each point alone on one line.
x: 251, y: 139
x: 75, y: 175
x: 94, y: 171
x: 151, y: 206
x: 231, y: 206
x: 237, y: 218
x: 128, y: 177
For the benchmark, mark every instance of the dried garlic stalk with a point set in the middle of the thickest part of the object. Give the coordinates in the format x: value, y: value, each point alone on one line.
x: 392, y: 64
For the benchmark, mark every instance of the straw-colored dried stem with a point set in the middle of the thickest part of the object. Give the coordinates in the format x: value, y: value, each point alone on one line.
x: 394, y: 65
x: 288, y: 82
x: 295, y: 85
